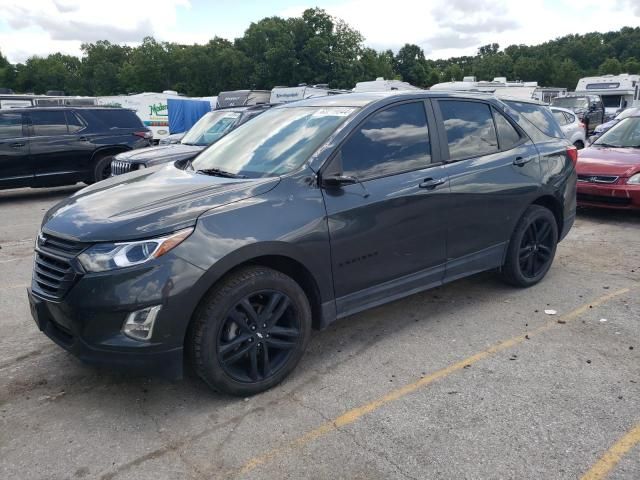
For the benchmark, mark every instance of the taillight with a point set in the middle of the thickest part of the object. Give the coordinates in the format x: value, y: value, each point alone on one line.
x: 572, y: 152
x: 146, y: 134
x: 582, y: 125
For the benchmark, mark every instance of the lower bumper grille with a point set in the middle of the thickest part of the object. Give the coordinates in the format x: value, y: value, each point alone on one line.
x: 621, y: 201
x: 597, y: 178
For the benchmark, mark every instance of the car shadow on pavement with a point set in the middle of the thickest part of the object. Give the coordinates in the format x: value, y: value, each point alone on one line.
x: 37, y: 194
x: 609, y: 215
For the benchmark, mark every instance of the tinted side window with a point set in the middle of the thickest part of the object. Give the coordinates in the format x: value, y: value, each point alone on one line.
x: 508, y: 136
x: 114, y: 118
x: 470, y: 129
x: 74, y: 123
x: 540, y: 116
x: 48, y: 123
x: 390, y: 141
x: 10, y: 125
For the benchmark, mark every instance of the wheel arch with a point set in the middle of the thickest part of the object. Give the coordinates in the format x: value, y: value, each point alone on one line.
x: 555, y: 206
x: 270, y: 256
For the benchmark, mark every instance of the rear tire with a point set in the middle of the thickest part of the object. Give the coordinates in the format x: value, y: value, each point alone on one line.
x: 532, y: 247
x: 102, y: 169
x: 250, y: 331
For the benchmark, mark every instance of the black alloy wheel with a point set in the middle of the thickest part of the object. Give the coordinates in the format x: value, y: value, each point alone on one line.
x: 250, y: 331
x: 258, y: 336
x: 532, y: 247
x: 536, y: 248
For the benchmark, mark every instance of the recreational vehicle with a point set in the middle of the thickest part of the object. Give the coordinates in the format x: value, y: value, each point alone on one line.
x: 617, y: 91
x: 382, y: 85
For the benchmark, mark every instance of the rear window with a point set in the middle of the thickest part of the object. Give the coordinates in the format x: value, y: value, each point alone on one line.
x: 540, y: 116
x: 48, y: 122
x: 114, y: 118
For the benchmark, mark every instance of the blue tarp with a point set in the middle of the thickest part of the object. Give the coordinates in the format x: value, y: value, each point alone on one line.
x: 183, y: 113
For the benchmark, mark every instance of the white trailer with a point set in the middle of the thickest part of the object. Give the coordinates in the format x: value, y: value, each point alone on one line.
x: 12, y: 100
x: 293, y: 94
x: 149, y: 106
x: 382, y: 85
x: 499, y: 86
x: 617, y: 91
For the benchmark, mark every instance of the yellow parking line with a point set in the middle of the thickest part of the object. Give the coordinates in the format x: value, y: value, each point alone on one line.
x: 354, y: 414
x: 612, y: 456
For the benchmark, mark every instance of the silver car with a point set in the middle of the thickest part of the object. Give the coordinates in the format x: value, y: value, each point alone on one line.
x: 571, y: 126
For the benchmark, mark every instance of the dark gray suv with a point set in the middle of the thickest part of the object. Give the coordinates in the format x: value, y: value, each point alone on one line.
x: 311, y: 212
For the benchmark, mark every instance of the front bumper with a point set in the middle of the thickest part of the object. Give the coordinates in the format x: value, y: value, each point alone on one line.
x: 618, y: 196
x: 88, y: 320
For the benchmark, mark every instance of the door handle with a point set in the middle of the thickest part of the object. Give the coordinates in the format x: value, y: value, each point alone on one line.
x: 431, y: 183
x: 520, y: 161
x: 17, y: 145
x: 83, y: 139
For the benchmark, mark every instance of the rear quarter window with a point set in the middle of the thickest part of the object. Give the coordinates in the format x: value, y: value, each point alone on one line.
x: 114, y: 118
x: 539, y: 116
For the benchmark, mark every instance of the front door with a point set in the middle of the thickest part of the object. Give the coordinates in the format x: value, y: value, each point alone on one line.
x: 388, y: 230
x: 15, y: 168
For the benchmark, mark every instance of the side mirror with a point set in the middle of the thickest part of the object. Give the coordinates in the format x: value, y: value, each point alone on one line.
x: 337, y: 181
x: 592, y: 107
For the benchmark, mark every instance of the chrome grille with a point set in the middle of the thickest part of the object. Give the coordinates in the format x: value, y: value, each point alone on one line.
x: 118, y: 167
x: 53, y: 273
x: 597, y: 178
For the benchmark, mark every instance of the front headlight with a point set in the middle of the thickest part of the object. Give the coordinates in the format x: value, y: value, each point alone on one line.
x: 634, y: 179
x: 109, y: 256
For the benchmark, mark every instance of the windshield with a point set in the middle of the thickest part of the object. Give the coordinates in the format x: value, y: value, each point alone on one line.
x: 625, y: 134
x: 274, y: 143
x: 570, y: 102
x: 210, y: 128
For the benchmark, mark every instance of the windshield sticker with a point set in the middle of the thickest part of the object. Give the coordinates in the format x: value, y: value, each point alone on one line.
x: 333, y: 112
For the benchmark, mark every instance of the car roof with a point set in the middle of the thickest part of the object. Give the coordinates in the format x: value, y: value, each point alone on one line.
x: 363, y: 99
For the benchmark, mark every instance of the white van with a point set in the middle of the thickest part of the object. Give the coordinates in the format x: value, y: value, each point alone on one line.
x: 617, y: 91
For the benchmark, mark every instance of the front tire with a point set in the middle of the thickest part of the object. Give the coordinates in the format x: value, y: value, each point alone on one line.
x: 250, y: 331
x: 532, y: 247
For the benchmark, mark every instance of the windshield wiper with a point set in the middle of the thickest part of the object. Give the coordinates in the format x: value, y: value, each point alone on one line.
x: 216, y: 172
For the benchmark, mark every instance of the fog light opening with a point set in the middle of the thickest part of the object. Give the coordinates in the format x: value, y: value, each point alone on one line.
x: 139, y: 324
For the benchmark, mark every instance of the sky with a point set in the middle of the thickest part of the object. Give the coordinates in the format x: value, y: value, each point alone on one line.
x: 443, y: 28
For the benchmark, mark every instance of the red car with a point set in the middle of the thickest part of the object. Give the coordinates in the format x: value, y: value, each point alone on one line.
x: 609, y: 170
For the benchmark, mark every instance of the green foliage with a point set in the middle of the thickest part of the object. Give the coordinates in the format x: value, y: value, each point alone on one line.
x: 313, y: 48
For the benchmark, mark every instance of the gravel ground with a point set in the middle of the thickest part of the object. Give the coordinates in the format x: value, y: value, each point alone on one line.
x: 470, y: 380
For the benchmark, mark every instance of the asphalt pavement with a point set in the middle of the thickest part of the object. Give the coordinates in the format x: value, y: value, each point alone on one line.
x: 472, y: 380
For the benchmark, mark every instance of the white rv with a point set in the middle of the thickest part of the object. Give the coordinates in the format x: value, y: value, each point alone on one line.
x: 12, y: 100
x: 293, y: 94
x: 617, y: 91
x: 382, y: 85
x: 499, y: 86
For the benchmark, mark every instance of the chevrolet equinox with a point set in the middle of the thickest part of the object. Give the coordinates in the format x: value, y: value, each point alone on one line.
x: 311, y: 212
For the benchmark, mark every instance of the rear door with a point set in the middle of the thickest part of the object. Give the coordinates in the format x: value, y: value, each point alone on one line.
x: 55, y: 151
x: 15, y: 168
x: 493, y: 171
x: 387, y: 231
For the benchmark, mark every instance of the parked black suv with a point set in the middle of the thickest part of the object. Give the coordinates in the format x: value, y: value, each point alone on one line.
x: 209, y: 129
x: 50, y: 146
x: 311, y: 212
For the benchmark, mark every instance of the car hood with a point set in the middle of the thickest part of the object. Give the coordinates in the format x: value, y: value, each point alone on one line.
x: 146, y: 203
x: 622, y: 162
x: 162, y: 154
x: 603, y: 127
